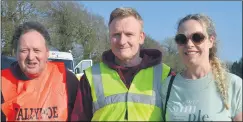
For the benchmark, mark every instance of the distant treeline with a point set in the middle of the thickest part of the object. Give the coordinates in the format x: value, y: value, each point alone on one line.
x: 73, y: 27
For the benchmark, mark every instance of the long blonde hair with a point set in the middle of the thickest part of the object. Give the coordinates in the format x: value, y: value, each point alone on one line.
x: 218, y: 68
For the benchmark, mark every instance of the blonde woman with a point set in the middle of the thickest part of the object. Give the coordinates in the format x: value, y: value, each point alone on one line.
x: 204, y: 91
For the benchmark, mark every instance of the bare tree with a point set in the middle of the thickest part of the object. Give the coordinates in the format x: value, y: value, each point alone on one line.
x: 171, y: 56
x: 13, y: 13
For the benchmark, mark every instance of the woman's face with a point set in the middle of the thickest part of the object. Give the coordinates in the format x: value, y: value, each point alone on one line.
x: 196, y: 50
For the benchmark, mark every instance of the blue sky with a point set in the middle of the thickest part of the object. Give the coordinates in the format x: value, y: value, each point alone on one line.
x: 161, y: 18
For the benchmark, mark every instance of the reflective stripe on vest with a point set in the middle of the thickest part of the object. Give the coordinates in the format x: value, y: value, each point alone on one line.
x: 126, y: 97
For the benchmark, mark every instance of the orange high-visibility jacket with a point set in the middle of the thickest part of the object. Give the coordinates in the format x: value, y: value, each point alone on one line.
x: 42, y: 98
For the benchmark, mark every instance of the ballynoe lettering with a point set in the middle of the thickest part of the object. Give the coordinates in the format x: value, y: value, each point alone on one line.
x: 36, y: 113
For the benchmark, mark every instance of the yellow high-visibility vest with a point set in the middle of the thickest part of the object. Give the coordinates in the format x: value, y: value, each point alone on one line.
x: 111, y: 98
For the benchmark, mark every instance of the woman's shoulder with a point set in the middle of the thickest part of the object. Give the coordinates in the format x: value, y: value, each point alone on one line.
x: 235, y: 82
x: 234, y: 79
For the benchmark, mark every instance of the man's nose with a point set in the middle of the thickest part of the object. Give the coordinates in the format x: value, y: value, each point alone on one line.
x: 31, y: 55
x: 123, y: 39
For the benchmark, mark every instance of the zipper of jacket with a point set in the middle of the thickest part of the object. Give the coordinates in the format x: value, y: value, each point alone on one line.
x: 126, y: 114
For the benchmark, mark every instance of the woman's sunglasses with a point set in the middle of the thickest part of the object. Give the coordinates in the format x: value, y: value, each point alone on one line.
x: 197, y: 38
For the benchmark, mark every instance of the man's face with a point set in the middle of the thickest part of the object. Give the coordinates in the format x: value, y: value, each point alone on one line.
x: 126, y: 36
x: 32, y: 53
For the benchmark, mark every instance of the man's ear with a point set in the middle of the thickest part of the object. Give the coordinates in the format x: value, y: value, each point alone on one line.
x: 47, y: 51
x: 142, y: 38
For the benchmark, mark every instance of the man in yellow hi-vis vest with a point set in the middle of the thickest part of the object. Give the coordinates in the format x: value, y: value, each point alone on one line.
x: 126, y: 85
